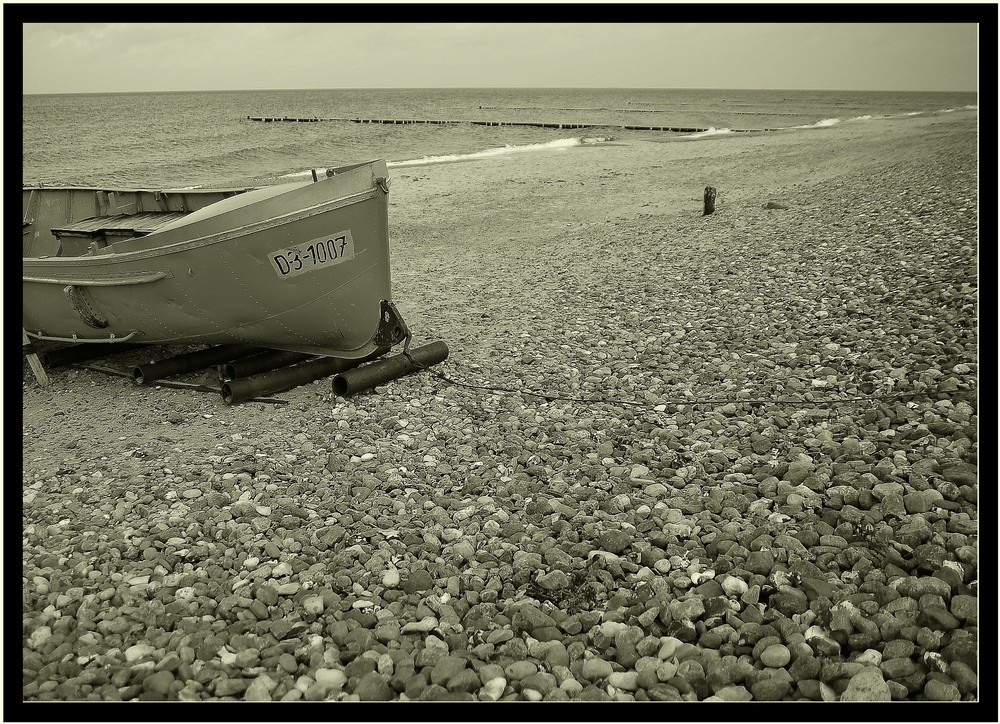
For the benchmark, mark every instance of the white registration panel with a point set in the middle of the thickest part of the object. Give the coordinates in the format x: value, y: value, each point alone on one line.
x: 312, y: 255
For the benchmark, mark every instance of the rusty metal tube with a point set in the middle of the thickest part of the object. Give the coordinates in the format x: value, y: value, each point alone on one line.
x: 285, y: 378
x: 269, y: 360
x: 69, y: 355
x: 352, y: 381
x: 191, y: 361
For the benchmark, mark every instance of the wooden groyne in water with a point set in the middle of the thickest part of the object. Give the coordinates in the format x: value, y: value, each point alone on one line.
x: 639, y: 110
x: 535, y: 124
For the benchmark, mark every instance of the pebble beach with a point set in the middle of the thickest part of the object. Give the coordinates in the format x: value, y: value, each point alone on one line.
x: 670, y: 457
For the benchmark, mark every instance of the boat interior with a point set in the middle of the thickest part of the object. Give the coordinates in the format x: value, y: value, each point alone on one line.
x: 71, y: 222
x: 76, y: 221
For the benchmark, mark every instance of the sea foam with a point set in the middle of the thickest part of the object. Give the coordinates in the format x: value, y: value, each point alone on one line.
x: 825, y: 123
x: 559, y: 144
x: 710, y: 132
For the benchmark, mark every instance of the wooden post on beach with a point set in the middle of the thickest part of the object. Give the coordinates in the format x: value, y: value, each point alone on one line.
x: 709, y: 200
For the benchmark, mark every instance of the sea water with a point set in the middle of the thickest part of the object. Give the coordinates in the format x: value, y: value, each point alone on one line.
x: 183, y: 139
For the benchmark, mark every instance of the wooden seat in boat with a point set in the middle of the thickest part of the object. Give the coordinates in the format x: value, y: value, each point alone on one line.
x: 87, y: 235
x: 119, y: 224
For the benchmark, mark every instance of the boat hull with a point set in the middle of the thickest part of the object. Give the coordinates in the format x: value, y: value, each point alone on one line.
x: 303, y: 268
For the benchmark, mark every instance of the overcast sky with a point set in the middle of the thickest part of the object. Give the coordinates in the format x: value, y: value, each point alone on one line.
x: 114, y: 57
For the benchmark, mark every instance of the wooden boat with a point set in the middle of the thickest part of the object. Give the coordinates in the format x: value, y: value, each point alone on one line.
x: 301, y: 266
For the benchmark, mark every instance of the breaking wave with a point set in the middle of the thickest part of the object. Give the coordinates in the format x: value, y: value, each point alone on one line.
x: 559, y: 144
x: 710, y: 132
x: 825, y: 123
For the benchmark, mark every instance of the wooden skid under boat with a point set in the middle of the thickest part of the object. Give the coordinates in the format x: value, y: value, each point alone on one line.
x: 300, y: 266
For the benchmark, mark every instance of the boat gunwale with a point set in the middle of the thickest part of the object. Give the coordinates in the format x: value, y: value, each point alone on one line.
x: 107, y: 255
x: 339, y: 171
x: 116, y: 190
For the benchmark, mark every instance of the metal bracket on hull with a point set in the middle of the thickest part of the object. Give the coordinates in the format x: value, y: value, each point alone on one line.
x: 80, y: 299
x: 391, y: 328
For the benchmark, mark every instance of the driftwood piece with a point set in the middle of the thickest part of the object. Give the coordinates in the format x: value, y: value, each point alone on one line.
x: 36, y: 364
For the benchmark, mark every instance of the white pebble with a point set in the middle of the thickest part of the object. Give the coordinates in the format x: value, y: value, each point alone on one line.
x: 39, y: 636
x: 313, y: 604
x: 423, y: 625
x: 185, y: 594
x: 870, y: 656
x: 662, y: 566
x: 493, y: 689
x: 733, y: 586
x: 334, y: 678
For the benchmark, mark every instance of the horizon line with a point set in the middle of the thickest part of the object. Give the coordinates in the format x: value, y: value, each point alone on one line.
x: 500, y: 87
